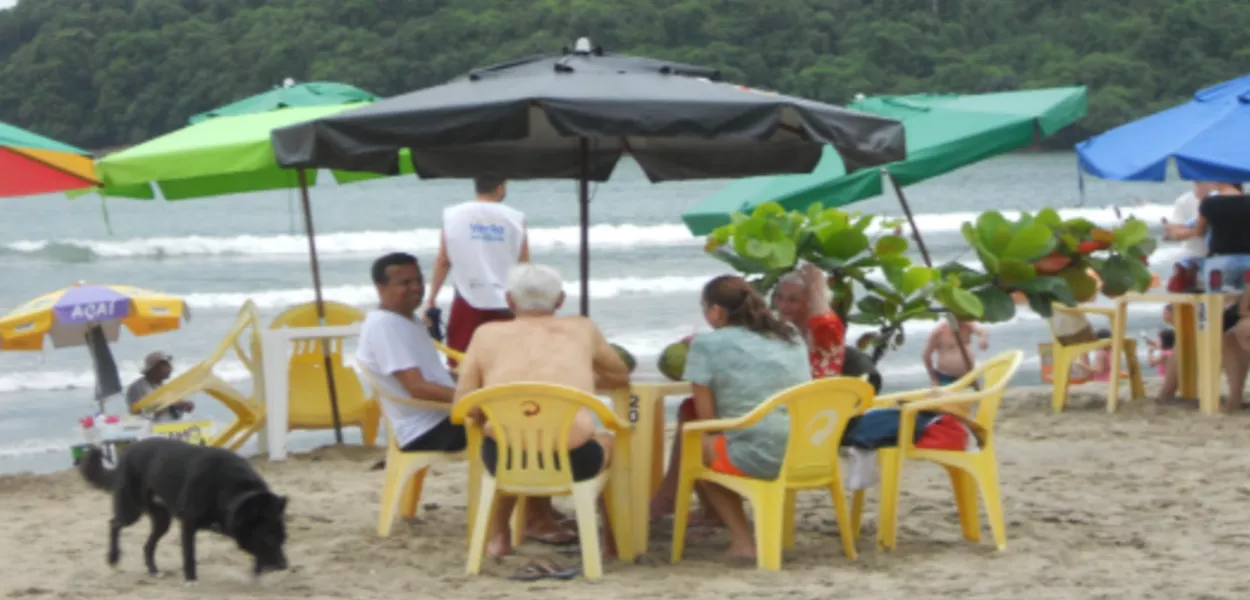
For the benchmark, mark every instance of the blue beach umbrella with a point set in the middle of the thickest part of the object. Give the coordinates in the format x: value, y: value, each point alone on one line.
x: 1208, y: 137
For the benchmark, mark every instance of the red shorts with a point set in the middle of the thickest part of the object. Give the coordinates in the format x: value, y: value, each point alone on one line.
x: 720, y: 448
x: 464, y: 320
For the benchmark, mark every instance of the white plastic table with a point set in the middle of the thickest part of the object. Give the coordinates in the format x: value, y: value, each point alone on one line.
x: 275, y: 364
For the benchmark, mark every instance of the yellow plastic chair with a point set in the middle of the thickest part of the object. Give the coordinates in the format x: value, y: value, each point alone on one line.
x: 308, y: 396
x: 447, y: 351
x: 531, y: 423
x: 249, y: 411
x: 405, y: 471
x: 969, y: 471
x: 819, y: 412
x: 1064, y: 356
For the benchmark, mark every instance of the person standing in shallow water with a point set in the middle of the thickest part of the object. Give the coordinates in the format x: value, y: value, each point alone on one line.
x: 942, y: 358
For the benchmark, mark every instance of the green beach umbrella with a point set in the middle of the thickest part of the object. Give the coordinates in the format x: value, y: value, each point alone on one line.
x: 227, y: 155
x: 215, y: 157
x: 290, y: 95
x: 944, y: 133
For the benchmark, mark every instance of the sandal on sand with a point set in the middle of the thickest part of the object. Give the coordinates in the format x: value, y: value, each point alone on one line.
x: 553, y: 538
x: 544, y: 569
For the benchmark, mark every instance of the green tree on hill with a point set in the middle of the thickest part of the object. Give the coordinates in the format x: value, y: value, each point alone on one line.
x: 101, y: 73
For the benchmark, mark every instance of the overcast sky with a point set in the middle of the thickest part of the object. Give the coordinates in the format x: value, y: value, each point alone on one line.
x: 7, y: 3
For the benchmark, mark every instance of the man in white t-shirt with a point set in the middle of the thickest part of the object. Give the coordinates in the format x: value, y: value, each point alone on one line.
x: 1184, y: 213
x: 481, y: 240
x: 400, y: 356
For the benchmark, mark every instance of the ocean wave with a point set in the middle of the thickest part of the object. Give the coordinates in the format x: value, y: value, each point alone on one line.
x: 357, y: 242
x: 60, y: 379
x: 619, y: 237
x: 363, y: 295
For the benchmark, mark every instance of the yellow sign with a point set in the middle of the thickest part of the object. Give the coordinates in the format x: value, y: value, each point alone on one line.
x: 191, y: 432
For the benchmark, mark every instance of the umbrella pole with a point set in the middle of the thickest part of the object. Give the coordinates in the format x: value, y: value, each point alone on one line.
x: 321, y: 308
x: 583, y: 201
x: 928, y: 261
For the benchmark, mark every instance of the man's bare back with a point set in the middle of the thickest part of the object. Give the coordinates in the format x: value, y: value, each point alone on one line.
x: 561, y: 350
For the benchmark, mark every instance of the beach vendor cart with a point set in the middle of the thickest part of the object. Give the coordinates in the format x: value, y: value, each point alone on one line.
x: 93, y: 315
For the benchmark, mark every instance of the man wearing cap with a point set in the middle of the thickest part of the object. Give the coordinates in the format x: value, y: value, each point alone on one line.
x: 157, y: 367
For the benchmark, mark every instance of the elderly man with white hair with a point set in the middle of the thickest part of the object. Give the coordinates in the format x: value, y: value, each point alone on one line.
x: 539, y: 346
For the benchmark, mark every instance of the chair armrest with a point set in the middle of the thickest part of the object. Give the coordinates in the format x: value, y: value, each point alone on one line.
x: 455, y: 355
x: 713, y: 425
x: 1087, y: 310
x: 937, y: 403
x: 910, y: 397
x: 896, y: 398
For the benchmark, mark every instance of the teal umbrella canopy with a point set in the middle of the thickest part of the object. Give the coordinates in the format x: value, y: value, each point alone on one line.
x: 944, y: 132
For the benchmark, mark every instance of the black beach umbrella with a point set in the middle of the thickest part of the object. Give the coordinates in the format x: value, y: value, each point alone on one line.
x: 573, y: 115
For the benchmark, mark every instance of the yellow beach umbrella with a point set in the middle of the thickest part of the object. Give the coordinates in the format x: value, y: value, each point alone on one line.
x: 67, y: 315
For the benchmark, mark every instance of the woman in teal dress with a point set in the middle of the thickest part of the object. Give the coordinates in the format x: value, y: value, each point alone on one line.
x: 749, y: 356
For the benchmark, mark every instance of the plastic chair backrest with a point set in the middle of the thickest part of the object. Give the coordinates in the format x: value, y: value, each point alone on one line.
x: 531, y: 424
x: 188, y: 381
x: 447, y: 351
x: 305, y: 315
x: 819, y: 412
x: 997, y: 373
x: 1046, y: 358
x: 309, y: 404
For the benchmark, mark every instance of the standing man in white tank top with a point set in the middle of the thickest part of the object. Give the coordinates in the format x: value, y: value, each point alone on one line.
x: 481, y: 240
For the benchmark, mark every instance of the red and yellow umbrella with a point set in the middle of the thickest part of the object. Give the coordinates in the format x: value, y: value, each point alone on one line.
x: 32, y: 164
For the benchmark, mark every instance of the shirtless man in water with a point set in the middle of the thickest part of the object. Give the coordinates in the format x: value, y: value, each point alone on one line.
x: 949, y: 364
x: 539, y: 346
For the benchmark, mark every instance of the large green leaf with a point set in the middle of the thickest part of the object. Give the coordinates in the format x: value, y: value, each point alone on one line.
x: 891, y: 244
x: 768, y: 209
x: 1134, y: 231
x: 1042, y: 304
x: 1030, y: 243
x: 894, y: 261
x: 993, y: 230
x: 871, y: 306
x: 1012, y: 271
x: 1078, y: 226
x: 1049, y: 285
x: 914, y: 279
x: 846, y: 244
x: 1049, y: 217
x: 740, y: 263
x: 969, y: 231
x: 996, y: 303
x: 960, y: 301
x: 1142, y: 277
x: 1117, y: 276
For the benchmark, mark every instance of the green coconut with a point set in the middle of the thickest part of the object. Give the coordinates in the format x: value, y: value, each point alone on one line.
x: 626, y: 357
x: 672, y: 361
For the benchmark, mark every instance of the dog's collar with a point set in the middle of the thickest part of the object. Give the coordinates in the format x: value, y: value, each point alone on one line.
x: 235, y: 504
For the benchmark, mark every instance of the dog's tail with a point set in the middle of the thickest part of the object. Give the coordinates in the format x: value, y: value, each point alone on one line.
x: 94, y: 471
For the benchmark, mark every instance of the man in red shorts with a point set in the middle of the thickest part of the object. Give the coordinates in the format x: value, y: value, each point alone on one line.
x: 481, y: 240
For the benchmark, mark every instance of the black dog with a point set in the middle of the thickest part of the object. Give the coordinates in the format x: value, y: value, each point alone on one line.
x: 204, y: 488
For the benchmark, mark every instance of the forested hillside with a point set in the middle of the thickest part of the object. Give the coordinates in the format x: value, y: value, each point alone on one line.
x: 100, y: 73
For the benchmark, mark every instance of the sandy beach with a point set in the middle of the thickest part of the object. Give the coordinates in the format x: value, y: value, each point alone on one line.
x: 1147, y: 503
